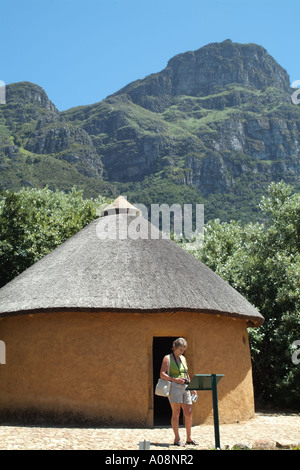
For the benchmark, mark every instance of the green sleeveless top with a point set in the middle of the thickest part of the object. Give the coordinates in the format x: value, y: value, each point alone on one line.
x: 174, y: 370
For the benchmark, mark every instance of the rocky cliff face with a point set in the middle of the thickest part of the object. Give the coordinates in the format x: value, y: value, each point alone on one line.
x: 211, y: 68
x: 218, y: 120
x: 67, y: 142
x: 26, y: 92
x: 212, y: 118
x: 33, y: 122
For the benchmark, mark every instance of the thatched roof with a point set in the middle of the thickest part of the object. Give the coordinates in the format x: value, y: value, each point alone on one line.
x: 87, y: 273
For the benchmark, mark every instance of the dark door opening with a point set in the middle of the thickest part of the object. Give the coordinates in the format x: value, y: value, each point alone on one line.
x: 162, y: 410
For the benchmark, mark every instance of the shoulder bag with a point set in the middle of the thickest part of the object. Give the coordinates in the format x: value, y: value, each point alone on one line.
x: 162, y: 388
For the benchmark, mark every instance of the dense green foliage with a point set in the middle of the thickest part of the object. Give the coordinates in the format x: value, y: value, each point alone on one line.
x: 262, y: 261
x: 35, y: 221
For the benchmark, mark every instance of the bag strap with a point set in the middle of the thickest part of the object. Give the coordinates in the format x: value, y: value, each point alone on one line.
x: 169, y: 358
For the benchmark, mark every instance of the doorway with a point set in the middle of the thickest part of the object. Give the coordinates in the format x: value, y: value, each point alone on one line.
x: 162, y: 412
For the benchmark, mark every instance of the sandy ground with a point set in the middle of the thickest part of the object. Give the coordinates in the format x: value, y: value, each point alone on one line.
x: 274, y: 428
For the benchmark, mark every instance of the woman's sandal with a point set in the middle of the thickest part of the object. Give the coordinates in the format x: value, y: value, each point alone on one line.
x: 179, y: 443
x: 193, y: 443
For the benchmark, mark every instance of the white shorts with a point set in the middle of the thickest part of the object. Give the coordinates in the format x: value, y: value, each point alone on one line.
x: 179, y: 394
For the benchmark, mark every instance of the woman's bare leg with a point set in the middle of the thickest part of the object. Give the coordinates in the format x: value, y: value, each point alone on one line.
x: 187, y: 411
x: 175, y: 420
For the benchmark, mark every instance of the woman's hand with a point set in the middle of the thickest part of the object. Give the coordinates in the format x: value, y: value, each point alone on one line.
x: 179, y: 380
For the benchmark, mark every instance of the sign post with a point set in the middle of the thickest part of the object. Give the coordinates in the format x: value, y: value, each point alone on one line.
x: 209, y: 382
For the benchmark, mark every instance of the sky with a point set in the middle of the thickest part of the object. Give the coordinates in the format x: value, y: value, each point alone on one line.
x: 81, y: 51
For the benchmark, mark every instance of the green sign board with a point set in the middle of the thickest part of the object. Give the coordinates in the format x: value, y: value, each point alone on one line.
x: 203, y: 381
x: 209, y: 382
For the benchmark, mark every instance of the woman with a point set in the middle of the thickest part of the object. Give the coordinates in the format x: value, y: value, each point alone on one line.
x: 179, y: 397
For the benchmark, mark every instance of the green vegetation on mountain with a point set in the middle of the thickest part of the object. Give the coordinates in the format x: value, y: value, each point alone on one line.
x: 216, y: 126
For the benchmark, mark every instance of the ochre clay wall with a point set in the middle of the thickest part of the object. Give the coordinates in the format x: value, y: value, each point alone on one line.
x: 97, y: 367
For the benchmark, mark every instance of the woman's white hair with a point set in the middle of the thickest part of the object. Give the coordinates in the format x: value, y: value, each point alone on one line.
x: 179, y: 342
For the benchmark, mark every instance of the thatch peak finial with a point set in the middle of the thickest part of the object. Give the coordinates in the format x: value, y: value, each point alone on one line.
x: 120, y: 206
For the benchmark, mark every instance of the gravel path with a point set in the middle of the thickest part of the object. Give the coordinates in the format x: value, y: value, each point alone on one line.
x: 274, y: 428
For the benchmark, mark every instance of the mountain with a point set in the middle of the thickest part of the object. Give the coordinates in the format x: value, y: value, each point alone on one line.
x: 38, y: 147
x: 217, y: 125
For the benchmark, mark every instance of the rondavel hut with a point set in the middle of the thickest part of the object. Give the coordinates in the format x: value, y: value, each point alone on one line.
x: 86, y: 327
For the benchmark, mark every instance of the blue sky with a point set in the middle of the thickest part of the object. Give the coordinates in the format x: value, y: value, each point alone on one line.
x: 80, y: 51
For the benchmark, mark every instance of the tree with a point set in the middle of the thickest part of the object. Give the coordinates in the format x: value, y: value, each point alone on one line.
x: 35, y: 221
x: 262, y: 261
